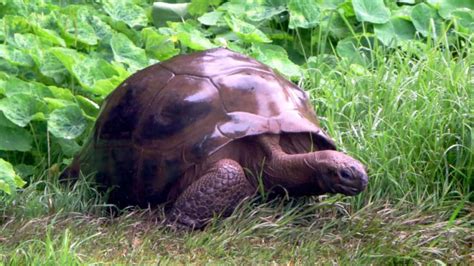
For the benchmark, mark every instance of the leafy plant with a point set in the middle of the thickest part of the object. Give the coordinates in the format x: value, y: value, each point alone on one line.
x: 9, y: 180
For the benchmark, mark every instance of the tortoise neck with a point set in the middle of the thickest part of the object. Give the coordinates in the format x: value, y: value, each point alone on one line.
x: 286, y: 170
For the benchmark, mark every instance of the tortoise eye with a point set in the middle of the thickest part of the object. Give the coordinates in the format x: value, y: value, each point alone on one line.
x: 346, y: 174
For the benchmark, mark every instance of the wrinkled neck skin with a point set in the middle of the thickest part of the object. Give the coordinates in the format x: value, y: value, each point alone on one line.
x: 289, y: 171
x: 307, y: 173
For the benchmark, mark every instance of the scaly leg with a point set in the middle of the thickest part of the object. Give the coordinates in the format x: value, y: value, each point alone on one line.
x: 218, y: 191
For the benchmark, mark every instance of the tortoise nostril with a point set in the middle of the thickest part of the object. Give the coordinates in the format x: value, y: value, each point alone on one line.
x: 364, y: 179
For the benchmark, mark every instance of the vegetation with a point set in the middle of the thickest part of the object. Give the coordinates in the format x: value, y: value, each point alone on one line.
x: 392, y: 82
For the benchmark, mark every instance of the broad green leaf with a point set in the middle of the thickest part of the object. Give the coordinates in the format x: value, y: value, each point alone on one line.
x: 29, y: 44
x: 163, y: 13
x: 19, y: 182
x: 158, y: 46
x: 88, y: 106
x: 62, y: 93
x: 24, y: 170
x: 346, y: 9
x: 2, y: 30
x: 303, y: 14
x: 14, y: 86
x: 49, y: 35
x: 464, y: 21
x: 447, y: 7
x: 260, y: 13
x: 69, y: 147
x: 330, y: 4
x: 15, y: 56
x: 276, y: 57
x: 235, y: 47
x: 373, y: 11
x: 254, y: 10
x: 126, y: 52
x: 321, y: 64
x: 4, y: 186
x: 394, y: 31
x: 15, y: 139
x: 25, y: 41
x: 126, y: 11
x: 103, y: 31
x: 103, y: 87
x: 337, y: 26
x: 246, y: 31
x: 354, y: 50
x: 402, y: 12
x: 191, y: 37
x: 120, y: 27
x: 235, y: 8
x: 199, y: 7
x: 15, y: 24
x: 22, y: 108
x: 426, y: 20
x: 2, y: 84
x: 75, y: 25
x: 67, y: 122
x: 18, y: 7
x: 347, y: 48
x: 52, y: 67
x: 434, y: 3
x: 9, y: 180
x: 169, y: 31
x: 4, y: 122
x: 211, y: 18
x: 92, y: 69
x: 68, y: 57
x: 46, y: 28
x: 54, y: 103
x: 8, y: 67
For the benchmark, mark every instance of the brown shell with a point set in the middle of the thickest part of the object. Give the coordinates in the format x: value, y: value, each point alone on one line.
x: 172, y: 115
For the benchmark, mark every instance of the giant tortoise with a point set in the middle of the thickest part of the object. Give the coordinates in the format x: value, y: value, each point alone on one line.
x: 201, y: 132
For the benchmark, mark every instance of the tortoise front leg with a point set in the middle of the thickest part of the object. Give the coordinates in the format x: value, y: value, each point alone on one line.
x: 218, y: 191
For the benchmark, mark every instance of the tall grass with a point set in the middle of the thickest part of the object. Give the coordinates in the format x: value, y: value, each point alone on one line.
x: 410, y: 120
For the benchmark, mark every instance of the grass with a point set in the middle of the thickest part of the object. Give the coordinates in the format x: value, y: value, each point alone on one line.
x: 409, y: 119
x: 323, y: 230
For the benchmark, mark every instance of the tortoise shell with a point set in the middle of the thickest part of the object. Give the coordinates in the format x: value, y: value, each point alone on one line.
x: 170, y: 116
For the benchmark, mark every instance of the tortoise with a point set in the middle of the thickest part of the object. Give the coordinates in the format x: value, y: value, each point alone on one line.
x: 201, y: 132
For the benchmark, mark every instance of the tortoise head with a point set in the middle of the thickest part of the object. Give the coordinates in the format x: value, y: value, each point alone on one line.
x: 335, y: 172
x: 319, y: 172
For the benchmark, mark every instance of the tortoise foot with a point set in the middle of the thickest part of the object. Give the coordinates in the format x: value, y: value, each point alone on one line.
x: 217, y: 192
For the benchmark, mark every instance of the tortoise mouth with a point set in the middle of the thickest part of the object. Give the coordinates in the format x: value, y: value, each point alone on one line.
x: 351, y: 189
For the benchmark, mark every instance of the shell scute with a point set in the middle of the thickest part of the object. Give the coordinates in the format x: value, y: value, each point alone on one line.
x: 118, y: 117
x: 185, y: 105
